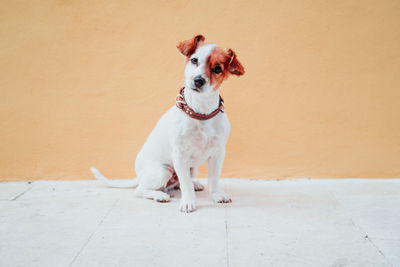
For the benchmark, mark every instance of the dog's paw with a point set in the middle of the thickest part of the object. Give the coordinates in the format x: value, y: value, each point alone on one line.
x: 187, y: 205
x: 161, y: 196
x: 221, y: 197
x: 198, y: 186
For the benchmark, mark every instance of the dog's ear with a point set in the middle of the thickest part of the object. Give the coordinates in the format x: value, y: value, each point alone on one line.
x: 188, y: 47
x: 235, y: 67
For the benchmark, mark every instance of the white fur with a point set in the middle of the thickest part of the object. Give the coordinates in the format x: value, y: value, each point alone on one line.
x: 181, y: 143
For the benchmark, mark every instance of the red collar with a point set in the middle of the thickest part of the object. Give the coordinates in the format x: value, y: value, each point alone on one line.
x: 181, y: 104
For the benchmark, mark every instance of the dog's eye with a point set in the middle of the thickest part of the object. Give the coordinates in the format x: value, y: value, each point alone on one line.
x: 194, y: 60
x: 217, y: 69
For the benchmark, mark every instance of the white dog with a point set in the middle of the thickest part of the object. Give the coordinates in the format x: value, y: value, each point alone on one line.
x: 190, y: 133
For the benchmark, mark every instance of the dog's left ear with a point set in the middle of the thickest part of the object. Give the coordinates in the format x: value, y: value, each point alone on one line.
x: 235, y: 67
x: 188, y: 47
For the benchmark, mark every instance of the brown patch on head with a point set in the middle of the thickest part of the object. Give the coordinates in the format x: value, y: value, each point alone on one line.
x: 227, y: 63
x: 218, y: 58
x: 188, y: 47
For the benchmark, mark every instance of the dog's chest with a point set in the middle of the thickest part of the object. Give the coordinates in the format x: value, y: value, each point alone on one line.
x: 198, y: 140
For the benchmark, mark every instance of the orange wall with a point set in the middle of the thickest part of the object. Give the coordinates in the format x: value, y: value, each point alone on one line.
x: 84, y: 82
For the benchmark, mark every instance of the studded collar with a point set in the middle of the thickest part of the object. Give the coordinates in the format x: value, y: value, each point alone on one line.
x: 181, y: 104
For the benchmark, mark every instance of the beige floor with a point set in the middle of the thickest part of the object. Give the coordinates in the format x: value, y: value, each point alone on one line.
x: 270, y: 223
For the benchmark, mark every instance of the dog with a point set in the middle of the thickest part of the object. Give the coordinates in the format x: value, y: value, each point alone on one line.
x: 190, y: 133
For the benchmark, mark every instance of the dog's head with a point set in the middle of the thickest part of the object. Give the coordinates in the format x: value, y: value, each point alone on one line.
x: 207, y: 65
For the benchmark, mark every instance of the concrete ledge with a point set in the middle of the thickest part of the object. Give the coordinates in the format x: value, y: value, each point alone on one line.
x: 270, y: 223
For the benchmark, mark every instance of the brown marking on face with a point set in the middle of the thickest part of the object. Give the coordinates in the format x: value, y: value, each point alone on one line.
x: 218, y: 57
x: 228, y: 63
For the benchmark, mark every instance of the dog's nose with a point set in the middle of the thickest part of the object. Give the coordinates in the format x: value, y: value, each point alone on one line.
x: 199, y: 81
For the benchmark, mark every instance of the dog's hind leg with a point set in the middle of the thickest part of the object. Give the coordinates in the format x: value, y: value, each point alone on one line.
x: 197, y: 186
x: 156, y: 195
x: 151, y: 182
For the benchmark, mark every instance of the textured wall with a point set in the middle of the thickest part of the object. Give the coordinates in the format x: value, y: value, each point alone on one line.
x: 84, y: 82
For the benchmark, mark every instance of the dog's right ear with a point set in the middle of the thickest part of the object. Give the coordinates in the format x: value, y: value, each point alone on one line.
x: 188, y: 47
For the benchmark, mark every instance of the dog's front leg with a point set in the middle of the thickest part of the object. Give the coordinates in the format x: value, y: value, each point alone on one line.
x: 214, y: 172
x: 182, y: 169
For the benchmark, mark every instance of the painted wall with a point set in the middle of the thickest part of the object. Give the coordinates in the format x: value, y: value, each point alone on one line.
x: 84, y: 82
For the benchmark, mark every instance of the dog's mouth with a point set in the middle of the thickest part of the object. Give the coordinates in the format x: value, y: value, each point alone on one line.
x: 195, y: 89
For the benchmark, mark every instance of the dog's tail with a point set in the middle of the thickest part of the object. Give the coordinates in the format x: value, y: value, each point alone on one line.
x: 114, y: 183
